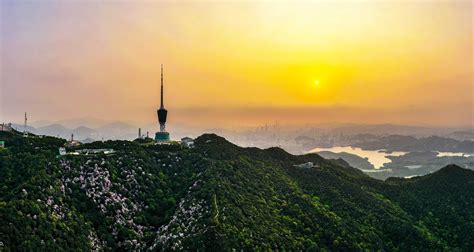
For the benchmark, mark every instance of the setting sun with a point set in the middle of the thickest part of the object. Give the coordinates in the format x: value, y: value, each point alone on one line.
x: 342, y: 52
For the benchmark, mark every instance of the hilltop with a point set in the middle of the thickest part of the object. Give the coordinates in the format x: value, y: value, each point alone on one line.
x: 219, y: 196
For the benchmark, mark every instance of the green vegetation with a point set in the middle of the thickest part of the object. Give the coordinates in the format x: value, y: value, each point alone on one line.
x: 218, y: 196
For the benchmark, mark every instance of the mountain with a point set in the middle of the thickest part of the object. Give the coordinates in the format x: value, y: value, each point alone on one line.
x: 88, y: 120
x: 384, y: 129
x: 218, y: 196
x: 117, y: 126
x: 21, y: 128
x: 118, y: 130
x: 56, y: 130
x: 41, y: 123
x: 467, y: 135
x: 409, y: 143
x: 115, y: 130
x: 354, y: 160
x: 83, y: 132
x: 420, y: 163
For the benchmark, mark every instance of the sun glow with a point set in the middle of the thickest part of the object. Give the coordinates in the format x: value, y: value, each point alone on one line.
x: 243, y: 56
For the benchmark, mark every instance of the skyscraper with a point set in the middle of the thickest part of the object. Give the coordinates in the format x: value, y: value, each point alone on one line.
x: 162, y: 135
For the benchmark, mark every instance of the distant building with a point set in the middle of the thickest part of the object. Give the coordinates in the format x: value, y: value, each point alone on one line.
x: 73, y: 143
x: 2, y: 144
x: 187, y: 141
x: 95, y: 151
x: 307, y: 165
x: 62, y: 152
x: 6, y: 127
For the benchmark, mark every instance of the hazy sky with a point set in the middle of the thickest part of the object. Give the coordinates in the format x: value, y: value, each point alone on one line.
x: 239, y: 63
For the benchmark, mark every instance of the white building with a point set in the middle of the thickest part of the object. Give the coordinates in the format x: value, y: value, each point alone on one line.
x: 307, y: 165
x: 62, y: 151
x: 95, y: 151
x: 187, y: 141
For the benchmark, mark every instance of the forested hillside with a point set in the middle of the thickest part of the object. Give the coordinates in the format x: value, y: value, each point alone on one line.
x: 218, y: 196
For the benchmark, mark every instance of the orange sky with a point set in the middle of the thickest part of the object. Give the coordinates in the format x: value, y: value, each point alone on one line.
x: 241, y: 63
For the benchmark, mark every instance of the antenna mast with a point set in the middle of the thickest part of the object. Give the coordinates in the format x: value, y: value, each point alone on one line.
x: 25, y: 133
x: 162, y: 106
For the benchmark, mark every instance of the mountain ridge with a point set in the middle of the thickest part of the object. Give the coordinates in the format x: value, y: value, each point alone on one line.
x: 218, y: 196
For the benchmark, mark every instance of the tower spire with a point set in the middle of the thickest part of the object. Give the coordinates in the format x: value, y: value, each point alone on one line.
x: 162, y: 135
x: 162, y: 106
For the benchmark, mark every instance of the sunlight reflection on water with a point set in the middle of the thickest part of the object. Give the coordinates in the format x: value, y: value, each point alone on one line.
x: 376, y: 157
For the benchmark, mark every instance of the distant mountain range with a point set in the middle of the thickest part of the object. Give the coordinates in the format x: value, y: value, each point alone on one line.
x: 92, y: 122
x: 467, y: 135
x: 392, y: 129
x: 373, y: 137
x: 391, y: 142
x: 114, y: 130
x: 410, y: 143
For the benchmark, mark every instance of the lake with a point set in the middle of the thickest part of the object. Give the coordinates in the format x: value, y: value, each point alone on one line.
x: 454, y: 154
x: 376, y: 157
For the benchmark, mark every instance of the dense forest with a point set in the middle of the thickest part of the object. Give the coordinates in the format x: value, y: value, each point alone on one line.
x: 218, y: 196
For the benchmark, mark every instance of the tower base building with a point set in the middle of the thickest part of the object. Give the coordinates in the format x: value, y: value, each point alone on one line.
x: 161, y: 137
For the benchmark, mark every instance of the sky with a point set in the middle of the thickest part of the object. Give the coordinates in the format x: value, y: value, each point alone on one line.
x: 239, y: 63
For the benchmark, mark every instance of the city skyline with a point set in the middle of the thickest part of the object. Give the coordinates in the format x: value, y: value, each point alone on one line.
x: 239, y: 64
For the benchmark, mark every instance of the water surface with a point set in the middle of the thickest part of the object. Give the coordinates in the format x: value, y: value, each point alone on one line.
x: 376, y: 157
x: 454, y: 154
